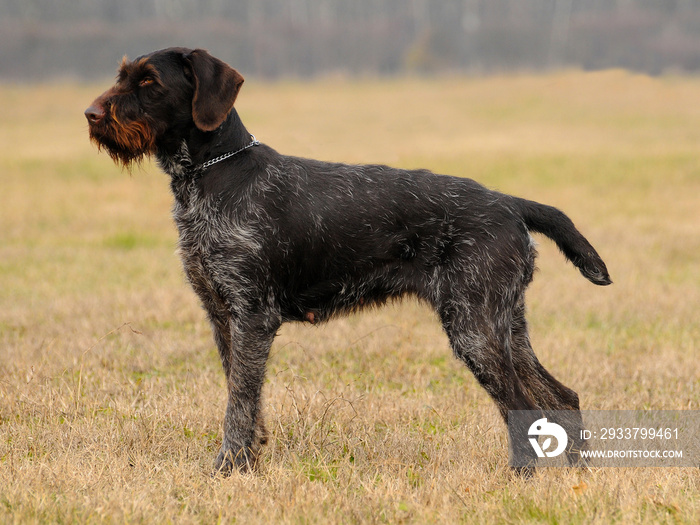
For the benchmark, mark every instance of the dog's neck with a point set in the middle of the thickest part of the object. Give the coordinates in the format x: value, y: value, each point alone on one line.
x: 183, y: 158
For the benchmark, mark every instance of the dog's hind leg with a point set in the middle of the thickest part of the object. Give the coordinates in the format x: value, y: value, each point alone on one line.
x: 481, y: 343
x: 543, y: 388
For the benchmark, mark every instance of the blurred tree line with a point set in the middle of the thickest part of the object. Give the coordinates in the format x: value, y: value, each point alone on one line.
x: 42, y: 39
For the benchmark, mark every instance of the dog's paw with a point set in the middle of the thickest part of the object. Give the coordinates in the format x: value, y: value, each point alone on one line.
x: 231, y: 460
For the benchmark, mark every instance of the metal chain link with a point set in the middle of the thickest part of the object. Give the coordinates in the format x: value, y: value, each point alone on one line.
x: 228, y: 155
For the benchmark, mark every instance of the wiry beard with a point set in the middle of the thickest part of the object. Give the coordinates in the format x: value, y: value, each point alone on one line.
x: 126, y: 143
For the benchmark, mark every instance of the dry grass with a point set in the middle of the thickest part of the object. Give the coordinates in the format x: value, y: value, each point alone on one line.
x: 111, y: 393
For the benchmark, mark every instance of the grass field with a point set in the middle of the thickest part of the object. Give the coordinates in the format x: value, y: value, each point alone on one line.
x: 111, y: 391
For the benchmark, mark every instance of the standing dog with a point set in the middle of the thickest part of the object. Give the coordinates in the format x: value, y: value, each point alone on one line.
x: 266, y: 238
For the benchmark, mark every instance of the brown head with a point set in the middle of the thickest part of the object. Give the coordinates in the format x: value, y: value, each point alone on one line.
x: 158, y: 98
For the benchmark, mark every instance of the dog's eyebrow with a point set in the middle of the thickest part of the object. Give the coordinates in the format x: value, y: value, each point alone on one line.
x: 122, y: 72
x: 139, y: 68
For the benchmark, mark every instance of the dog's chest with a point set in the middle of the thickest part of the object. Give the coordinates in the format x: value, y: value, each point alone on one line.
x: 214, y: 245
x: 197, y: 220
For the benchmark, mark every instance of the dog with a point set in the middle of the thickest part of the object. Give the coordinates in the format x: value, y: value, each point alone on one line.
x: 267, y: 238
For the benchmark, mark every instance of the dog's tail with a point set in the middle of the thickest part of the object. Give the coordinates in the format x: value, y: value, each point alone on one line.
x: 558, y: 227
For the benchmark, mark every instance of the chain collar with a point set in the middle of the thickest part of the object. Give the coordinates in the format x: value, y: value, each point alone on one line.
x: 228, y: 155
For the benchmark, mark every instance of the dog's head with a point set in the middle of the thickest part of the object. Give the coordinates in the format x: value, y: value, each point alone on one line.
x: 161, y: 97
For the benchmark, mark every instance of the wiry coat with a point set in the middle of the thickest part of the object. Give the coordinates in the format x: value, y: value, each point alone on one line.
x: 267, y: 238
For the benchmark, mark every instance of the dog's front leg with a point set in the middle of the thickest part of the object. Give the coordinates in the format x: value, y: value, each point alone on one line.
x: 251, y: 337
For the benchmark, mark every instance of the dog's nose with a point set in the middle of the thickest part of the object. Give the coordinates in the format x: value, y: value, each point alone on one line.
x: 94, y: 114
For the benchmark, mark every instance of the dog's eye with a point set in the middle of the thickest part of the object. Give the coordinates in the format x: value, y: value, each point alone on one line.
x: 146, y: 82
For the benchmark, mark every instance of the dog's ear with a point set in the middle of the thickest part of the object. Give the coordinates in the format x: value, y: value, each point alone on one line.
x: 216, y: 87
